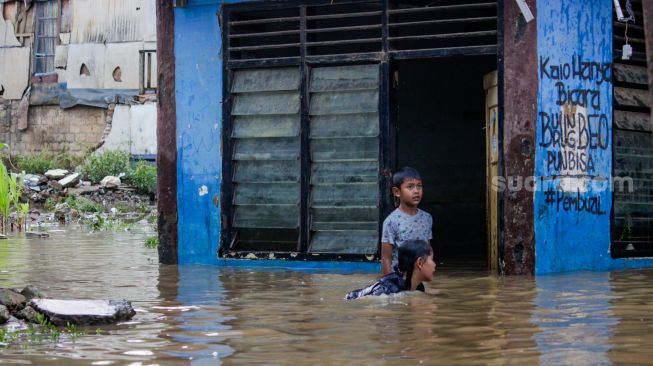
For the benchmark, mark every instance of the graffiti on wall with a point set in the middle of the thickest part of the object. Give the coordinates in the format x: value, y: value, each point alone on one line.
x: 574, y: 130
x: 574, y: 135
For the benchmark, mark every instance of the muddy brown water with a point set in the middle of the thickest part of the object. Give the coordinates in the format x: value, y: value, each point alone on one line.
x: 204, y: 315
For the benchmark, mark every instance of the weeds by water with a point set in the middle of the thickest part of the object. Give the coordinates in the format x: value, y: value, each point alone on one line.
x: 11, y: 187
x: 152, y: 242
x: 99, y: 165
x: 83, y: 204
x: 40, y: 163
x: 100, y: 223
x: 42, y: 332
x: 143, y: 177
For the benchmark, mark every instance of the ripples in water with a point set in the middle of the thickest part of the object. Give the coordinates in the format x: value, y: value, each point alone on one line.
x: 208, y: 315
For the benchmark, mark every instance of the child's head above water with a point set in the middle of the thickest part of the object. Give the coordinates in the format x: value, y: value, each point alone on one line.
x: 407, y: 186
x: 416, y: 261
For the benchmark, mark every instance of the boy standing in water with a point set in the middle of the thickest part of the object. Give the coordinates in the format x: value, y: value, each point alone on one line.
x: 406, y: 222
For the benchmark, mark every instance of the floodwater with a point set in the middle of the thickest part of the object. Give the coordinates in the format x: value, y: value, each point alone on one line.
x: 202, y: 315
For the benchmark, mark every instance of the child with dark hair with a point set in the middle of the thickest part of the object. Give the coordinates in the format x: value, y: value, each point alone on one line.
x: 415, y: 265
x: 406, y: 222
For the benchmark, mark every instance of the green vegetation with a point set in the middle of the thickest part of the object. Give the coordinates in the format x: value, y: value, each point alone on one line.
x: 41, y: 332
x: 40, y: 163
x: 83, y: 204
x: 99, y: 165
x: 50, y: 204
x: 10, y: 192
x: 143, y: 177
x: 152, y: 242
x: 122, y: 207
x: 100, y: 223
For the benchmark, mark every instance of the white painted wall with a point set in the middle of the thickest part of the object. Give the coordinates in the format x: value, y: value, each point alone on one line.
x: 14, y: 71
x: 91, y: 54
x: 7, y: 34
x: 109, y: 21
x: 133, y: 129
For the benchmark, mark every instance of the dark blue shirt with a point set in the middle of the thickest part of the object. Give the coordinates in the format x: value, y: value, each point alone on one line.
x: 386, y: 285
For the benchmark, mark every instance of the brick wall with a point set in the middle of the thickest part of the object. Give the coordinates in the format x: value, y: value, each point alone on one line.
x: 52, y: 129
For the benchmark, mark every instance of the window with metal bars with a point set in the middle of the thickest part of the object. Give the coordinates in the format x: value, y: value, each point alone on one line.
x: 306, y: 102
x: 45, y: 36
x: 632, y: 231
x: 278, y: 33
x: 343, y: 142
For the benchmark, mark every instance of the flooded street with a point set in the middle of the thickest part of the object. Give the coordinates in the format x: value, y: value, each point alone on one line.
x: 203, y: 315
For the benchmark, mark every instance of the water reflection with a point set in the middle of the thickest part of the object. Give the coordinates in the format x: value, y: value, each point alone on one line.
x: 633, y: 307
x: 575, y: 317
x: 203, y: 315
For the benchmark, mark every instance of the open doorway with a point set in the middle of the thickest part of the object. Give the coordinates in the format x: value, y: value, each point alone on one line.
x: 439, y: 110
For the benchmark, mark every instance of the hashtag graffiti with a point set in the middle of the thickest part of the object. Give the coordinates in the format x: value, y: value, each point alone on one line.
x: 549, y: 196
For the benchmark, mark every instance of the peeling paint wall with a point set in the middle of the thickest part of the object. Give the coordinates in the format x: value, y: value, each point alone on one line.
x: 14, y: 79
x: 99, y: 44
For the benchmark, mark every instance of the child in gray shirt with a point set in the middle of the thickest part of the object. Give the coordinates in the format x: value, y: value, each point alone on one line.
x: 406, y: 222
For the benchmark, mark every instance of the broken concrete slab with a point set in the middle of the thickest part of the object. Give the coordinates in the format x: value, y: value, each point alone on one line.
x: 83, y: 190
x: 4, y: 314
x: 69, y: 180
x: 12, y: 299
x: 56, y: 173
x: 83, y: 312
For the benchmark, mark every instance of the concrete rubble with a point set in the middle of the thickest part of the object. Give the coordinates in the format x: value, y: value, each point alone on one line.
x: 83, y: 312
x: 17, y: 309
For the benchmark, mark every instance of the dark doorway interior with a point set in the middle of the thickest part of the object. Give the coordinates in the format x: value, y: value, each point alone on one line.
x: 439, y: 106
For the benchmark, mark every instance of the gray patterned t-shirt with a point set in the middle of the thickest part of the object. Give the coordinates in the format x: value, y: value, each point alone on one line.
x: 399, y: 227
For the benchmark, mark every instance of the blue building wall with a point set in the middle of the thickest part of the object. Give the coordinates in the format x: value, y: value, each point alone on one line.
x: 198, y: 91
x: 572, y: 225
x: 573, y: 171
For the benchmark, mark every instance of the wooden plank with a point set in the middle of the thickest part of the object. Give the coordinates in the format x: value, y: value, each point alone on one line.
x: 626, y: 97
x: 637, y: 208
x: 445, y: 36
x: 344, y: 41
x: 344, y: 15
x: 263, y: 21
x: 344, y: 29
x: 631, y: 74
x: 444, y: 21
x: 636, y: 56
x: 647, y: 10
x: 630, y: 39
x: 634, y: 121
x: 264, y: 62
x: 264, y: 47
x: 630, y: 26
x: 444, y: 52
x: 442, y: 8
x: 166, y: 133
x: 265, y: 34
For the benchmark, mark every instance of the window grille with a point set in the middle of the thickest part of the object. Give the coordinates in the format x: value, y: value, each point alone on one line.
x: 45, y: 36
